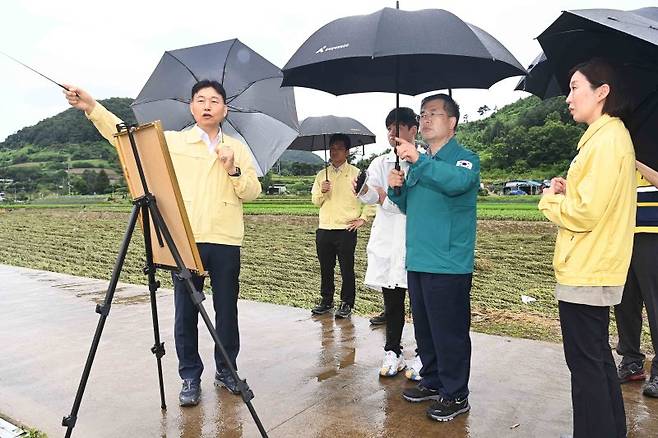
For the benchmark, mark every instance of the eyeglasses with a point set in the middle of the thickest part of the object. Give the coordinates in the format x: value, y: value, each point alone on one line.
x: 429, y: 115
x: 202, y: 101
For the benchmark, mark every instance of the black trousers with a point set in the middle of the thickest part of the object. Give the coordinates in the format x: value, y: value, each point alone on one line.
x: 441, y: 307
x: 394, y: 311
x: 329, y: 245
x: 223, y: 265
x: 598, y: 407
x: 641, y: 289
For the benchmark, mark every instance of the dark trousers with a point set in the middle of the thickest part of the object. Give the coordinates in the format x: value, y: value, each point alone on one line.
x: 641, y: 288
x: 223, y: 265
x: 598, y: 407
x: 394, y: 311
x: 329, y: 245
x: 441, y: 308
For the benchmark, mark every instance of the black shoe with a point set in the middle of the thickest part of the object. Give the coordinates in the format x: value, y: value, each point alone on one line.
x: 225, y: 379
x: 631, y: 372
x: 650, y: 389
x: 344, y: 310
x: 379, y: 319
x: 322, y: 308
x: 419, y: 393
x: 446, y: 410
x: 190, y: 393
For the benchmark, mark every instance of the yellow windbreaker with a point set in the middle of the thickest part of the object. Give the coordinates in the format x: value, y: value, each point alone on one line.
x: 596, y: 217
x: 339, y: 205
x: 213, y: 199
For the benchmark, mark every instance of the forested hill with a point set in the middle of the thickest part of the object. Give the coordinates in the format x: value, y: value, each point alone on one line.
x: 528, y: 138
x: 70, y: 126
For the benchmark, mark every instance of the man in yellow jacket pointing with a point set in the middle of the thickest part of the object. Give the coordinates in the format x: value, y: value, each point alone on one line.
x: 216, y: 174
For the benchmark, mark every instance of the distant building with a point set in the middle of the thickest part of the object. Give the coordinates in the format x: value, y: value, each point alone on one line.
x: 527, y: 186
x: 277, y: 189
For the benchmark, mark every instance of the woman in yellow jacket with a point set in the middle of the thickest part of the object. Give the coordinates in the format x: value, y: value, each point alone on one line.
x: 594, y: 209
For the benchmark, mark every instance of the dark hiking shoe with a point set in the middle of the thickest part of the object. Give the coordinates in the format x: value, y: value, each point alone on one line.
x: 631, y: 372
x: 419, y: 393
x: 225, y: 379
x: 344, y: 310
x: 379, y: 319
x: 322, y: 308
x: 650, y: 389
x: 190, y: 393
x: 446, y: 410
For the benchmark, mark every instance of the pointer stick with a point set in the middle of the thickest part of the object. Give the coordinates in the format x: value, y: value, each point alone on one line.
x: 40, y: 74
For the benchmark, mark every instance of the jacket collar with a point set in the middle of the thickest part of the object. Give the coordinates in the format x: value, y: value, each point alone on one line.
x: 594, y: 127
x: 194, y: 134
x: 447, y: 149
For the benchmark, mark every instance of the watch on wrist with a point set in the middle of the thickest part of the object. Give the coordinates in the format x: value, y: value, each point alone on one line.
x: 237, y: 172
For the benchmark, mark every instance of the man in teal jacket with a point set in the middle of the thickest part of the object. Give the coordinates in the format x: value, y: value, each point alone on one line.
x: 439, y: 196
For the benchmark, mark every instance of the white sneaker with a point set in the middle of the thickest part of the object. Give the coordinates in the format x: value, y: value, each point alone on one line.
x: 413, y: 369
x: 392, y: 364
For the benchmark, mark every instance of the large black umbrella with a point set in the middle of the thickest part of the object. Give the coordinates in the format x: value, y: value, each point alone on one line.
x: 627, y: 38
x: 314, y: 132
x: 408, y: 52
x: 261, y: 113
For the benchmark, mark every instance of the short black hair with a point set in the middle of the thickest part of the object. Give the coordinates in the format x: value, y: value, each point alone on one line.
x: 406, y: 116
x: 207, y: 83
x: 599, y: 71
x: 341, y: 137
x: 449, y: 105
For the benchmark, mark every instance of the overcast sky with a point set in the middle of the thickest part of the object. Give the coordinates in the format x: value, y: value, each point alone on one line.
x: 110, y: 48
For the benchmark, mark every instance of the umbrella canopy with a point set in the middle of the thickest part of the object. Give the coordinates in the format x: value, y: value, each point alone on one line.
x: 261, y: 113
x: 629, y: 39
x: 314, y: 132
x: 540, y: 79
x: 392, y: 50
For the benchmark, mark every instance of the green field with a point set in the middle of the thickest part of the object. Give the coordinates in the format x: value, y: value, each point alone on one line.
x: 489, y: 207
x: 279, y: 265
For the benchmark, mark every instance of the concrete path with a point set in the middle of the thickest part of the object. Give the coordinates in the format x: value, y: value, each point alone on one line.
x: 312, y: 377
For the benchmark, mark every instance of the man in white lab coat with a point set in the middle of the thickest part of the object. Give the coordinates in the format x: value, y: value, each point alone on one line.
x: 386, y: 248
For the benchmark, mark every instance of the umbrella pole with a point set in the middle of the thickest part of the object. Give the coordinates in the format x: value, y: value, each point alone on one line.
x: 397, y: 107
x: 397, y: 190
x: 326, y: 163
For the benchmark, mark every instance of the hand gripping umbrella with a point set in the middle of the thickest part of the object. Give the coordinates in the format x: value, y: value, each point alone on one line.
x: 408, y: 52
x: 315, y: 131
x: 261, y: 113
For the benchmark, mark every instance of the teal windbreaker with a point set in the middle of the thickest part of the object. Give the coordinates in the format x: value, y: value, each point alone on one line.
x: 439, y: 197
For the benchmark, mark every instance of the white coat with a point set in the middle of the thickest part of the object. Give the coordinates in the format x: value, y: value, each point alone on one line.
x: 386, y: 248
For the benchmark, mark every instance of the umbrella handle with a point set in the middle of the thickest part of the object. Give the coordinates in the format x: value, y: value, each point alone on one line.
x: 397, y: 190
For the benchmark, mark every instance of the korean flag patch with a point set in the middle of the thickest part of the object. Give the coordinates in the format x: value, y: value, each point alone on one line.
x: 464, y: 163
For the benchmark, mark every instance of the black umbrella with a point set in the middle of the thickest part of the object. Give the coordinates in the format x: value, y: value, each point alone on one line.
x: 630, y: 40
x: 408, y: 52
x: 626, y: 37
x: 315, y: 131
x: 540, y: 79
x: 261, y: 113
